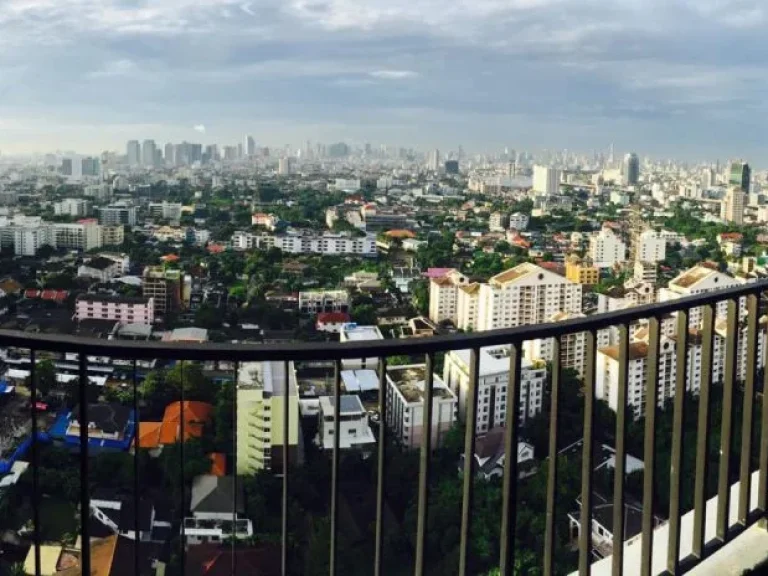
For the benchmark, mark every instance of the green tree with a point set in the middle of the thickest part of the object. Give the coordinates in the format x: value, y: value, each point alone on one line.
x: 45, y: 375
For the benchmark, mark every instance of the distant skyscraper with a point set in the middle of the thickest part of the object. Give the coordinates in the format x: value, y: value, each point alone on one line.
x: 250, y: 146
x: 740, y: 175
x: 170, y: 155
x: 546, y: 180
x: 148, y: 155
x: 433, y: 162
x: 133, y: 150
x: 91, y: 166
x: 708, y: 178
x: 452, y: 167
x: 732, y: 207
x: 240, y: 151
x: 631, y: 169
x: 285, y: 166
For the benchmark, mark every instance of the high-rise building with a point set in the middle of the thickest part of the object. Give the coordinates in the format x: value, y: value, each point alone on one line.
x: 740, y: 175
x: 240, y: 151
x: 631, y: 169
x: 433, y: 162
x: 164, y: 287
x: 606, y: 249
x: 133, y: 151
x: 651, y: 247
x: 72, y: 168
x: 170, y: 155
x: 91, y: 166
x: 451, y: 166
x: 261, y: 397
x: 732, y: 206
x: 148, y: 149
x: 285, y: 166
x: 546, y: 180
x: 250, y: 146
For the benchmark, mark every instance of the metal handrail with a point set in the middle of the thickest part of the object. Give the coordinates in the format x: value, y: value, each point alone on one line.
x: 367, y: 348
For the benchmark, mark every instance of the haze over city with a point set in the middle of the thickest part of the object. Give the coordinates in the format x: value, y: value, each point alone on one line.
x: 679, y: 78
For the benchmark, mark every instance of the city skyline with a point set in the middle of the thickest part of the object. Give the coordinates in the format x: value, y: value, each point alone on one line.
x: 678, y: 78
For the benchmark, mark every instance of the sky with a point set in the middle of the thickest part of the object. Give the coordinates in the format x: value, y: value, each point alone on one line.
x: 680, y: 78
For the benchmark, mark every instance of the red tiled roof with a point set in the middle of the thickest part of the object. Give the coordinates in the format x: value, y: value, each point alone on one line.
x: 218, y: 463
x: 332, y: 317
x: 31, y: 293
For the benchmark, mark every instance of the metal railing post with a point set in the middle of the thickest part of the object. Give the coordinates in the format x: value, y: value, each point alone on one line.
x: 424, y: 469
x: 726, y: 430
x: 469, y: 462
x: 509, y: 488
x: 554, y: 420
x: 748, y: 412
x: 380, y: 468
x: 649, y: 447
x: 85, y: 492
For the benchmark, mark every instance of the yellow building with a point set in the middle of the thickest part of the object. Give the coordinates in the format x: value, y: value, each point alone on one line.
x: 581, y: 272
x: 260, y: 410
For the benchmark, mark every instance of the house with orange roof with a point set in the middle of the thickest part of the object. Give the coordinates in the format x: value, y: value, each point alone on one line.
x: 187, y: 420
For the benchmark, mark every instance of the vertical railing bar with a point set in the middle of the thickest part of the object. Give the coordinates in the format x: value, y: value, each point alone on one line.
x: 509, y: 489
x: 649, y: 446
x: 748, y: 413
x: 85, y: 531
x: 470, y: 435
x: 702, y: 433
x: 587, y: 457
x: 676, y: 461
x: 762, y: 487
x: 726, y: 429
x: 379, y: 560
x: 35, y: 463
x: 136, y: 499
x: 236, y: 376
x: 181, y: 453
x: 426, y: 449
x: 335, y: 468
x: 554, y: 417
x: 621, y: 454
x: 286, y: 453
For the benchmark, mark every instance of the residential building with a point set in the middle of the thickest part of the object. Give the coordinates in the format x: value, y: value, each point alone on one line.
x: 181, y: 421
x: 106, y: 421
x: 498, y: 222
x: 607, y: 366
x: 119, y: 516
x: 731, y: 243
x: 546, y: 180
x: 573, y: 347
x: 317, y: 301
x: 490, y: 456
x: 467, y: 303
x: 732, y: 206
x: 261, y: 397
x: 122, y: 261
x: 581, y: 272
x: 268, y: 221
x: 308, y: 243
x: 331, y: 322
x: 525, y: 294
x: 518, y: 221
x: 112, y: 235
x: 99, y: 268
x: 698, y: 280
x: 165, y: 210
x: 85, y: 235
x: 493, y: 382
x: 163, y: 286
x: 443, y: 296
x: 217, y: 506
x: 354, y: 430
x: 405, y: 406
x: 606, y: 249
x: 133, y: 152
x: 354, y: 333
x: 123, y: 309
x: 119, y: 213
x: 75, y: 207
x: 28, y: 240
x: 651, y: 247
x: 645, y: 272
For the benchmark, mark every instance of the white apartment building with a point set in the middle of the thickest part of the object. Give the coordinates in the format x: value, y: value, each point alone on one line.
x: 732, y: 206
x: 525, y: 294
x: 493, y: 384
x: 316, y: 301
x: 518, y: 221
x: 467, y: 302
x: 353, y: 333
x: 166, y: 210
x: 307, y: 243
x: 123, y: 309
x: 84, y: 236
x: 573, y: 347
x: 651, y: 247
x: 115, y: 214
x: 354, y: 430
x: 699, y: 280
x: 405, y: 405
x: 27, y: 241
x: 607, y: 366
x: 645, y: 272
x: 75, y: 207
x: 546, y: 180
x: 606, y: 249
x: 443, y: 296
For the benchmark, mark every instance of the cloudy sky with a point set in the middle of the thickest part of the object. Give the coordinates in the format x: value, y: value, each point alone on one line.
x: 686, y: 78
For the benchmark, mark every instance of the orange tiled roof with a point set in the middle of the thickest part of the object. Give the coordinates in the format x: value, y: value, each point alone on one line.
x: 149, y: 434
x: 218, y: 463
x: 196, y: 416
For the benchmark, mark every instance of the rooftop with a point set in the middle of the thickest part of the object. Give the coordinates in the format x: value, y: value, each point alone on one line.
x: 409, y: 380
x: 355, y: 333
x: 350, y: 405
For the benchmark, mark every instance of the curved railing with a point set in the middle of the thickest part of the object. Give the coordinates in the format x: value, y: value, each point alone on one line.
x: 741, y: 330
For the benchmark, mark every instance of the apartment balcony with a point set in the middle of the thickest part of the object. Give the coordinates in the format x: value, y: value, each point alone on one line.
x: 714, y: 494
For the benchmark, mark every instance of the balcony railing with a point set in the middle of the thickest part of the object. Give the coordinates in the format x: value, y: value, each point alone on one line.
x: 750, y: 478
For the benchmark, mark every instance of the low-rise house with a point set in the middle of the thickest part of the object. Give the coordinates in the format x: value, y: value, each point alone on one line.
x: 490, y: 456
x: 99, y: 268
x: 191, y: 417
x: 108, y: 421
x: 331, y: 322
x: 119, y: 516
x: 215, y: 501
x: 354, y: 430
